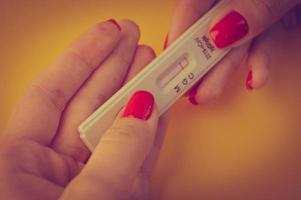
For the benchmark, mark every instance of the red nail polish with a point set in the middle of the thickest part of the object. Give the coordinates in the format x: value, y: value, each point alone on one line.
x: 249, y: 81
x: 165, y: 45
x: 113, y: 21
x: 229, y: 29
x: 192, y: 95
x: 140, y: 106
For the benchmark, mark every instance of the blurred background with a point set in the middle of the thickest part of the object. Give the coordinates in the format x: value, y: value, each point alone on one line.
x: 246, y: 145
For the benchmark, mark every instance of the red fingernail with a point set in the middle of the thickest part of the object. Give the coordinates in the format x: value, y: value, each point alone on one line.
x: 231, y: 28
x: 165, y: 45
x: 192, y: 95
x: 115, y: 23
x: 140, y: 106
x: 249, y: 81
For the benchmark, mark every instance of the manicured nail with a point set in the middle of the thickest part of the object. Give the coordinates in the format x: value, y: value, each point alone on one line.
x: 230, y: 29
x: 192, y: 95
x: 249, y: 81
x: 140, y: 105
x: 165, y: 45
x: 113, y: 21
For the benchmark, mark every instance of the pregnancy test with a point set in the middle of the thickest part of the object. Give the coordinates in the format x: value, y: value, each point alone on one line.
x: 168, y: 77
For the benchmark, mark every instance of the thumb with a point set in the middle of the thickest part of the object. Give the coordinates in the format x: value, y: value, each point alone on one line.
x: 118, y: 157
x: 239, y: 21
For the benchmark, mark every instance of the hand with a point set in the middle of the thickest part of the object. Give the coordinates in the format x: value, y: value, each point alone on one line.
x: 42, y: 156
x: 246, y: 25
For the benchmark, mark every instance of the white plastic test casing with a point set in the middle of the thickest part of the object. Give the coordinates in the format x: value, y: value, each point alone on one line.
x: 168, y: 77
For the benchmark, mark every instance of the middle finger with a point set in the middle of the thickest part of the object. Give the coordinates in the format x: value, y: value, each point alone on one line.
x: 101, y: 85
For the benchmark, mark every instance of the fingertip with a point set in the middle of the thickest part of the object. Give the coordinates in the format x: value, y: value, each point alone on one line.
x: 258, y: 75
x: 193, y: 100
x: 204, y: 95
x: 257, y: 78
x: 249, y: 81
x: 230, y: 29
x: 115, y: 23
x: 192, y: 95
x: 146, y: 52
x: 139, y: 114
x: 150, y: 124
x: 143, y: 110
x: 129, y: 27
x: 143, y: 56
x: 110, y: 27
x: 154, y: 118
x: 141, y: 106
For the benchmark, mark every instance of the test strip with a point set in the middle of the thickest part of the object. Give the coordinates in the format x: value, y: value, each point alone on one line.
x: 168, y: 77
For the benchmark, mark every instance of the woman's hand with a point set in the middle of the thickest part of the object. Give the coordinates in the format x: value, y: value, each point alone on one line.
x: 42, y: 156
x: 249, y: 25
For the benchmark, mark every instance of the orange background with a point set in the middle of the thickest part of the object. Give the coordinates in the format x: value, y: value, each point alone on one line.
x: 244, y: 146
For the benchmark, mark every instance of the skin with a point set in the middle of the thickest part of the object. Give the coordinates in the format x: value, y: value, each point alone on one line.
x: 254, y: 51
x: 41, y: 154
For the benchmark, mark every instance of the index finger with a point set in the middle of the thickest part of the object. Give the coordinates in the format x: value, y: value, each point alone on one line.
x: 38, y: 113
x: 186, y: 13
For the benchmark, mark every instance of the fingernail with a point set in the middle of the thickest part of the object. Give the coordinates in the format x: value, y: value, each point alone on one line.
x: 165, y: 45
x: 192, y: 95
x: 249, y: 81
x: 140, y: 105
x: 113, y: 21
x: 230, y: 29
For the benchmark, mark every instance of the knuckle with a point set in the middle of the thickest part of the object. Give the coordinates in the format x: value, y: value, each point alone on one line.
x: 232, y: 61
x: 54, y: 95
x: 90, y: 100
x: 80, y: 64
x: 122, y: 56
x: 269, y: 8
x: 130, y: 133
x: 11, y: 149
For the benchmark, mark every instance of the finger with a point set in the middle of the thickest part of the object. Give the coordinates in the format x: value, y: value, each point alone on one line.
x: 259, y: 59
x: 186, y: 13
x: 141, y: 183
x: 214, y: 82
x: 144, y: 55
x: 151, y: 159
x: 38, y: 113
x: 236, y: 22
x: 117, y: 159
x: 292, y: 19
x: 103, y: 84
